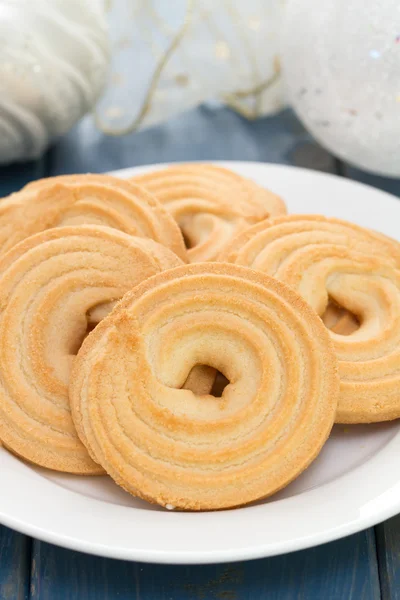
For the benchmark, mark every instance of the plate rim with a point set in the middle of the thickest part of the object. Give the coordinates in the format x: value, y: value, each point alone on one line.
x: 391, y: 507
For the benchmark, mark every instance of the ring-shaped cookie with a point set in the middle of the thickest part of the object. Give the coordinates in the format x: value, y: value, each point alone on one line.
x: 88, y: 199
x: 170, y: 446
x: 265, y: 246
x: 328, y: 260
x: 211, y: 204
x: 54, y: 287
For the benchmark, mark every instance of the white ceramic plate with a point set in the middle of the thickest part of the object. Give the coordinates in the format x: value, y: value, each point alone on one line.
x: 354, y: 483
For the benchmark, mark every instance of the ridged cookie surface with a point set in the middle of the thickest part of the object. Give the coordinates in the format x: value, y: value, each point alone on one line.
x: 327, y: 260
x: 170, y: 446
x: 54, y: 287
x: 266, y: 245
x: 87, y: 199
x: 210, y: 204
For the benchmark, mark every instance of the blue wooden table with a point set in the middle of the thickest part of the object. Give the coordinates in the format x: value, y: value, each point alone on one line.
x: 365, y: 566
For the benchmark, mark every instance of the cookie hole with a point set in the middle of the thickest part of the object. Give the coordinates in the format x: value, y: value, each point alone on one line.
x: 79, y: 341
x: 189, y: 243
x: 339, y: 320
x: 197, y: 227
x: 93, y: 317
x: 219, y: 385
x: 204, y: 380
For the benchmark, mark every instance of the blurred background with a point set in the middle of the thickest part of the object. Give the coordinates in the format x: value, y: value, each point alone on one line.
x: 181, y: 67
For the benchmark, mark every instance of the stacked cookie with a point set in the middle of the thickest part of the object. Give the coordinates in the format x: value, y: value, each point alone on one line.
x: 183, y: 334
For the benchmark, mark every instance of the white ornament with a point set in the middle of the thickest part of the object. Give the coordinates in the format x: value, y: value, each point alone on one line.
x: 53, y: 62
x: 172, y: 56
x: 341, y: 64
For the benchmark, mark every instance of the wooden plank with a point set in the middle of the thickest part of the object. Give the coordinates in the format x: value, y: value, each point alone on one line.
x: 388, y: 549
x: 340, y: 570
x: 201, y: 134
x: 388, y: 184
x: 387, y: 533
x: 13, y: 177
x: 15, y: 558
